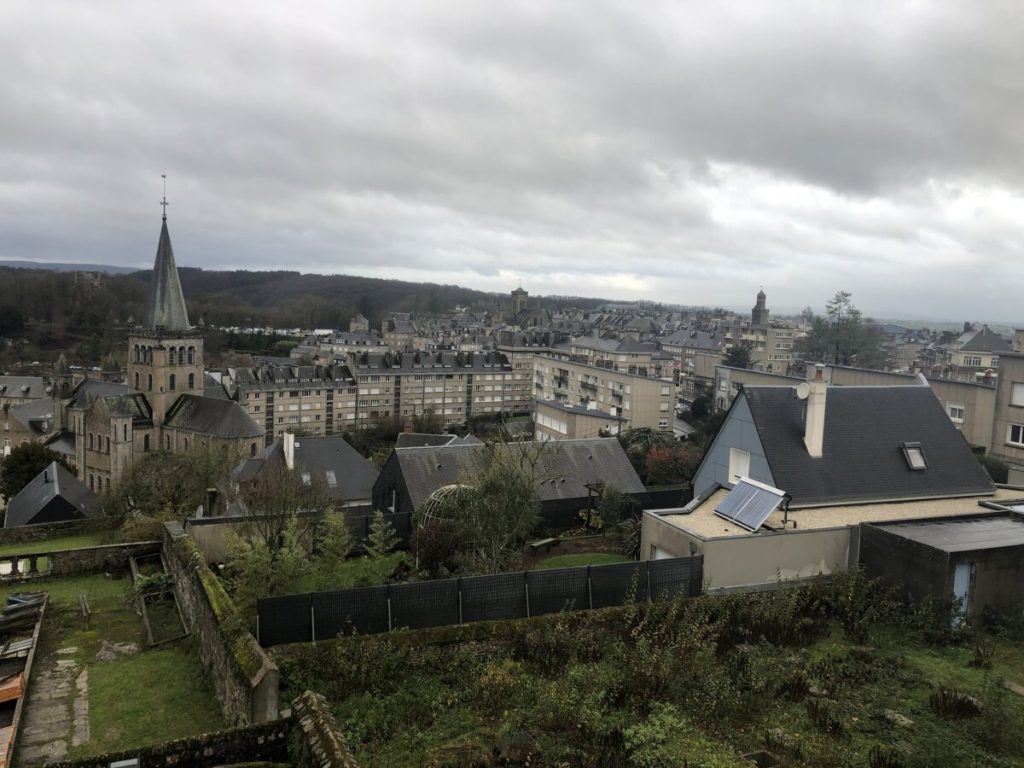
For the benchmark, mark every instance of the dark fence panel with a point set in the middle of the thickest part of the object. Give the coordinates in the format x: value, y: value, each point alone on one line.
x: 425, y: 604
x: 368, y: 610
x: 283, y: 620
x: 614, y: 584
x: 560, y: 589
x: 364, y: 610
x: 499, y: 596
x: 675, y: 577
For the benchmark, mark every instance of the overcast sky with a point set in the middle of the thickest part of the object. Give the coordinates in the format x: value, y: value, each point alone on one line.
x: 685, y: 152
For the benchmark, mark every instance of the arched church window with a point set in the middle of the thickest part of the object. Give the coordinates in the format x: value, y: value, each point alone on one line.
x: 171, y: 382
x: 191, y: 381
x: 149, y: 382
x: 172, y: 356
x: 191, y: 355
x: 145, y: 442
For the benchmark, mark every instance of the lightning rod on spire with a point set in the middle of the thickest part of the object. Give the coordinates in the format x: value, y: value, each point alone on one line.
x: 164, y: 202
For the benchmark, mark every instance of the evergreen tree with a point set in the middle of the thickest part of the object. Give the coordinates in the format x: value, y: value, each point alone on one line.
x: 382, y: 538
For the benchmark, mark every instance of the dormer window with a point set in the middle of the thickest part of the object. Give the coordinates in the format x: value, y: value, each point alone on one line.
x: 914, y: 455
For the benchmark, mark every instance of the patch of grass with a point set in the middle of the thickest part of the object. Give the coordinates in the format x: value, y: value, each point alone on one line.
x: 150, y: 697
x: 585, y: 558
x: 79, y: 541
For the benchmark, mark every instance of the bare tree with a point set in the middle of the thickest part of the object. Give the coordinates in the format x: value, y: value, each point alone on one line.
x: 277, y: 495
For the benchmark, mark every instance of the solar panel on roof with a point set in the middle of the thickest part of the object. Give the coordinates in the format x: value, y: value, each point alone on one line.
x: 749, y: 503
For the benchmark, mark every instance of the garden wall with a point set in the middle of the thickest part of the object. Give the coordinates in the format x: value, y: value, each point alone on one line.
x: 67, y: 562
x: 22, y: 533
x: 245, y: 678
x: 266, y: 741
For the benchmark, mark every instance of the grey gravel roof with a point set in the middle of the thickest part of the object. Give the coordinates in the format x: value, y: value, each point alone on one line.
x: 863, y: 460
x: 212, y: 416
x: 564, y: 470
x: 166, y: 306
x: 53, y: 481
x: 963, y: 534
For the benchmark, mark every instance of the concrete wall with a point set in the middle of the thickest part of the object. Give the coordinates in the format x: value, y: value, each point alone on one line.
x: 67, y: 562
x: 979, y: 404
x: 998, y: 576
x: 1011, y: 371
x: 763, y: 558
x: 912, y: 568
x: 737, y: 432
x: 245, y: 678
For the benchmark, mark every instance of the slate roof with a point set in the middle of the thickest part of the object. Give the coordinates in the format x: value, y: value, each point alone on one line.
x: 564, y: 470
x: 862, y: 459
x: 11, y: 386
x: 35, y: 415
x: 421, y: 439
x: 166, y: 305
x: 63, y: 443
x: 90, y: 389
x: 212, y: 416
x: 53, y: 481
x: 983, y: 340
x: 353, y: 476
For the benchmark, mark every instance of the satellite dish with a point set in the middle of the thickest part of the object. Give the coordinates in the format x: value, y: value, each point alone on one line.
x: 803, y: 389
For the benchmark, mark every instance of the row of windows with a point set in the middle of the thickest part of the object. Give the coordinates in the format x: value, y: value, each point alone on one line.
x: 175, y: 355
x: 172, y: 382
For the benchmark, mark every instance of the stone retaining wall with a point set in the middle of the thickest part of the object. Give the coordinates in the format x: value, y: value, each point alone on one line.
x: 70, y: 562
x: 263, y: 742
x: 319, y: 743
x: 244, y: 676
x: 22, y: 533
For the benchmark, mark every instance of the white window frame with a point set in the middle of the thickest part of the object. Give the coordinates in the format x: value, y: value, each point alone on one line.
x: 739, y: 464
x: 1017, y: 394
x: 952, y: 409
x: 1019, y: 429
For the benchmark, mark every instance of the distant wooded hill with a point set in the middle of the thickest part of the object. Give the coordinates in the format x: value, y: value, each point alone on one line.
x: 236, y: 298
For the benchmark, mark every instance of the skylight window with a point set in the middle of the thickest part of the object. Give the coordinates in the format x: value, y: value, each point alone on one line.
x: 914, y: 455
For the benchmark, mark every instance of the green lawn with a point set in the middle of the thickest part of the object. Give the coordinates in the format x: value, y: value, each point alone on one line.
x: 78, y: 541
x: 138, y: 699
x: 585, y: 558
x: 153, y: 696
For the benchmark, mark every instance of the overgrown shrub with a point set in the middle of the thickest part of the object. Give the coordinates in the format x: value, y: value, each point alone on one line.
x: 822, y: 714
x: 885, y: 757
x: 952, y: 703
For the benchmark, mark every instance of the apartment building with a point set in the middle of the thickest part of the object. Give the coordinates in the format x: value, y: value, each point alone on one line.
x: 640, y: 400
x: 1008, y: 420
x: 308, y: 399
x: 696, y: 353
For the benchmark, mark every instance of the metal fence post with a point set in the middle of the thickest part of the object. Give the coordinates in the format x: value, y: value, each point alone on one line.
x: 647, y: 571
x: 258, y: 625
x: 526, y: 591
x: 312, y: 620
x: 590, y: 591
x: 387, y: 588
x: 458, y: 589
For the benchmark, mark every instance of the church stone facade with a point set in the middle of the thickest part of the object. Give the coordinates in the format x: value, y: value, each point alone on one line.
x: 106, y: 425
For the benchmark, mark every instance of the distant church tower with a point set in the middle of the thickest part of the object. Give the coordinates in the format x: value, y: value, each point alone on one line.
x: 519, y: 297
x: 759, y: 315
x: 165, y: 353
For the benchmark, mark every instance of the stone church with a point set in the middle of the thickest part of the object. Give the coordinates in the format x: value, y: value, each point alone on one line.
x: 106, y: 425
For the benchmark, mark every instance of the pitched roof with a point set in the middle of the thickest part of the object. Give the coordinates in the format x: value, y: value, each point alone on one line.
x: 52, y: 482
x: 166, y: 306
x: 23, y: 386
x: 564, y: 469
x: 984, y: 340
x: 420, y: 439
x: 862, y: 456
x: 349, y: 476
x: 35, y: 415
x: 212, y: 416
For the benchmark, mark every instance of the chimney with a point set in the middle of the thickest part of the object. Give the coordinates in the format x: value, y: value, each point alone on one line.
x: 407, y: 427
x: 814, y: 427
x: 46, y: 476
x: 289, y: 449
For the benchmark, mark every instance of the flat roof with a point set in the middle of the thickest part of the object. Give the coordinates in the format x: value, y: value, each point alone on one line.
x: 579, y: 410
x: 703, y: 521
x: 963, y: 535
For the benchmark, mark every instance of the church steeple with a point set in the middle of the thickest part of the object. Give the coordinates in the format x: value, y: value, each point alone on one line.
x: 166, y: 306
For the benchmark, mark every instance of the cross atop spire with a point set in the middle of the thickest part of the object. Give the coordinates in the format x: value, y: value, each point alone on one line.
x: 164, y: 202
